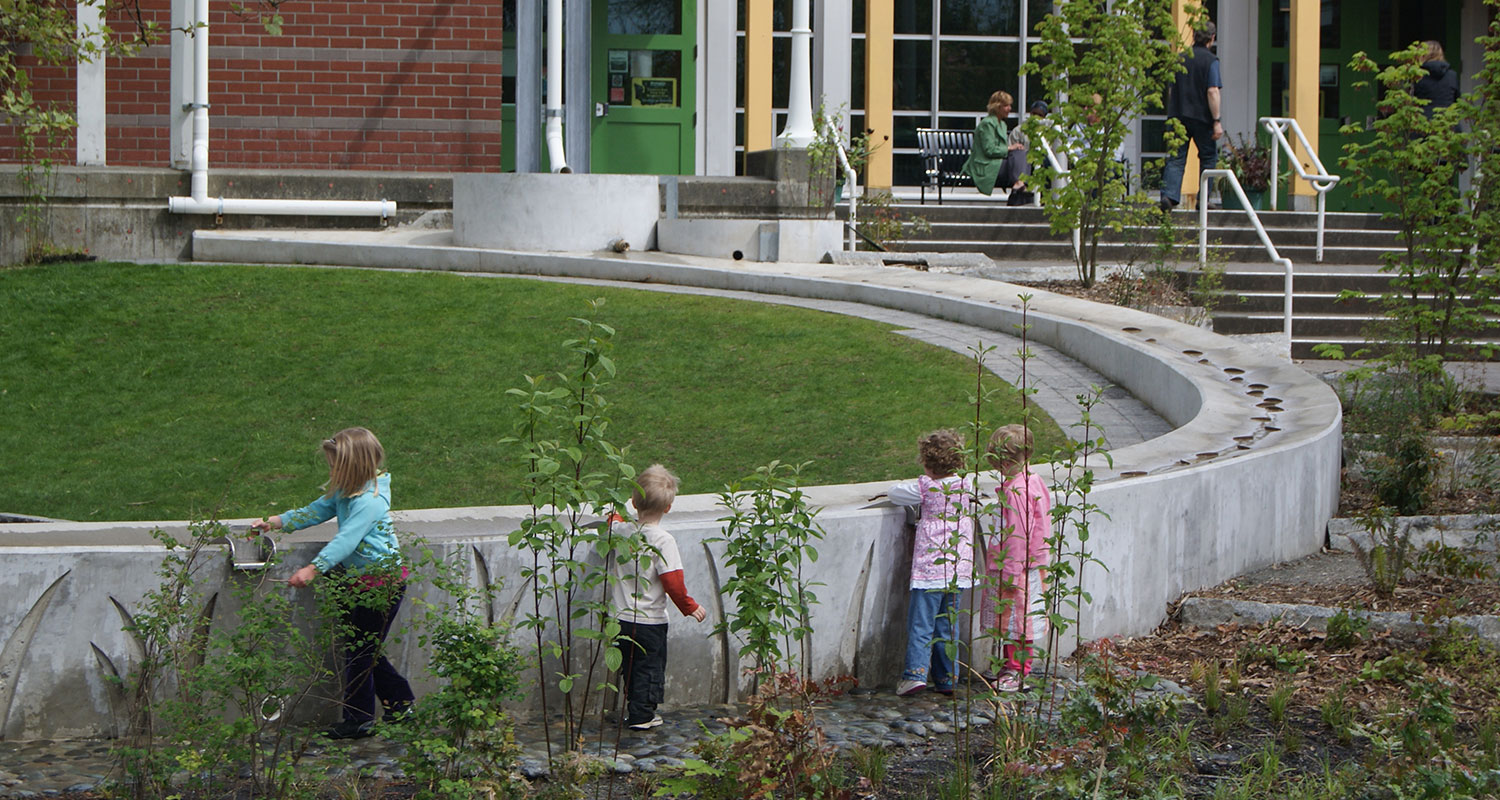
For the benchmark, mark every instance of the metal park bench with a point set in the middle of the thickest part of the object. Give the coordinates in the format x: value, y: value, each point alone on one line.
x: 944, y: 152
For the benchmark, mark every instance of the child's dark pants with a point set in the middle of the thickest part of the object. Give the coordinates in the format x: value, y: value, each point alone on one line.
x: 644, y: 669
x: 367, y: 673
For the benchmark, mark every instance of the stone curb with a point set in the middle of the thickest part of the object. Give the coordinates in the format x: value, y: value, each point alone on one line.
x: 1456, y: 530
x: 1210, y: 612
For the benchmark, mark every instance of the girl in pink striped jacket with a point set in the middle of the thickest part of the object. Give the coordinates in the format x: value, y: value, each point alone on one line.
x: 1017, y: 555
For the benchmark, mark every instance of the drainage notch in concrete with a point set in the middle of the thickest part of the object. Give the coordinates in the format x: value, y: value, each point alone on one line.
x: 1131, y: 330
x: 1133, y: 474
x: 1234, y: 370
x: 1259, y: 386
x: 1193, y: 353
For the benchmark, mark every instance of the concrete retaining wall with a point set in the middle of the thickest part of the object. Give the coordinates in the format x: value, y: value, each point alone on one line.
x: 533, y: 211
x: 1248, y: 478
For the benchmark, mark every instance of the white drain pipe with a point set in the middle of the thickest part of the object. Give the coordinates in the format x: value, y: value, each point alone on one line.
x: 200, y: 202
x: 557, y: 158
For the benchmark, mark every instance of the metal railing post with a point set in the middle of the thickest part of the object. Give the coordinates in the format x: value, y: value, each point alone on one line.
x: 1321, y: 181
x: 1260, y: 230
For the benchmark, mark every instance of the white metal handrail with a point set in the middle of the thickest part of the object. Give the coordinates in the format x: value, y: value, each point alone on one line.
x: 1321, y: 181
x: 1260, y: 230
x: 851, y: 182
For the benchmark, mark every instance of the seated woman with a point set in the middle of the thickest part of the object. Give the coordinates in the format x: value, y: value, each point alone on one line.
x: 994, y: 160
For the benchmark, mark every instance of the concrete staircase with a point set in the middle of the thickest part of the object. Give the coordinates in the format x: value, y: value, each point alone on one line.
x: 1023, y: 234
x: 1252, y: 297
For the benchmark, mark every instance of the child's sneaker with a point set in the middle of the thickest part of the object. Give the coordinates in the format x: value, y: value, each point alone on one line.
x: 647, y: 725
x: 1008, y: 682
x: 945, y: 689
x: 909, y: 688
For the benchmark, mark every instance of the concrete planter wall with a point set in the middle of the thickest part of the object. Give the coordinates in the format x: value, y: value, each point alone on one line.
x: 1248, y: 478
x: 543, y: 212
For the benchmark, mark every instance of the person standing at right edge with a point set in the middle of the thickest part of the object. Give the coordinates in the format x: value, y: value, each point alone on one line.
x: 1194, y: 101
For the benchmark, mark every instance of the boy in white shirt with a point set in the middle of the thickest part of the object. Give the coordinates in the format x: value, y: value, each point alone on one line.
x: 639, y: 595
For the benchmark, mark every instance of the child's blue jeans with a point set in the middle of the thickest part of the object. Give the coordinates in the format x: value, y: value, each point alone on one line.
x: 929, y: 634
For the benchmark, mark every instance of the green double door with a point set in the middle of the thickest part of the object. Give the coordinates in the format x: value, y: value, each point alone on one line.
x: 1377, y: 27
x: 644, y: 86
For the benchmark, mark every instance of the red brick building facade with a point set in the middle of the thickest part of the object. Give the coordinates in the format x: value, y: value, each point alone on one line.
x: 346, y: 85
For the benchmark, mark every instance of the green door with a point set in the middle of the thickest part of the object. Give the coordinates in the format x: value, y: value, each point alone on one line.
x: 645, y: 82
x: 1378, y: 27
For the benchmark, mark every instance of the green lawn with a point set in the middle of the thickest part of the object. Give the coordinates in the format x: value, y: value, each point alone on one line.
x: 170, y: 392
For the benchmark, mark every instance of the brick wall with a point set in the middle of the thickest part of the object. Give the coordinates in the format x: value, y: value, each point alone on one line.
x: 347, y: 85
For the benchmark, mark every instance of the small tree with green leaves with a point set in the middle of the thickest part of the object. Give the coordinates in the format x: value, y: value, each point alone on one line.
x: 576, y: 480
x: 1443, y: 288
x: 768, y: 534
x: 1102, y: 66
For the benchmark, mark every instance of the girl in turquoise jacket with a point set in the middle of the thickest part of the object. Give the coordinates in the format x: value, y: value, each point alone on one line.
x: 359, y: 495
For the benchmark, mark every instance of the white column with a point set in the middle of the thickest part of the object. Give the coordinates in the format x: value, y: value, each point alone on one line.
x: 180, y: 95
x: 1237, y: 64
x: 716, y: 88
x: 832, y: 55
x: 90, y: 84
x: 799, y: 123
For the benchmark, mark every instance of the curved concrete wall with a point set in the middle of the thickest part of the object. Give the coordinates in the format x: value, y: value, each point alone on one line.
x: 1249, y: 477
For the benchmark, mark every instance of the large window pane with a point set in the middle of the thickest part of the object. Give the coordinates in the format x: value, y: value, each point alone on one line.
x: 781, y: 67
x: 970, y: 72
x: 981, y: 17
x: 912, y: 16
x: 644, y: 17
x: 913, y: 75
x: 1036, y: 11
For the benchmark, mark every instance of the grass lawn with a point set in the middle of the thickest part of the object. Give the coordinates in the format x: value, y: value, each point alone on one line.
x: 181, y: 391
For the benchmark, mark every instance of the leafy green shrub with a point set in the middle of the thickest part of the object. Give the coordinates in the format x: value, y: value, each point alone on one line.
x: 458, y: 740
x: 1389, y: 555
x: 208, y: 694
x: 777, y: 749
x: 1289, y: 660
x: 1345, y: 629
x: 1402, y: 473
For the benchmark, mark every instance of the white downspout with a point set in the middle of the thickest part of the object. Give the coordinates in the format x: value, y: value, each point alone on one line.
x: 200, y: 202
x: 557, y: 159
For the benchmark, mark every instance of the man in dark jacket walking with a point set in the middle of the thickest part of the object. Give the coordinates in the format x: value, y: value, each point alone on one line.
x: 1194, y: 101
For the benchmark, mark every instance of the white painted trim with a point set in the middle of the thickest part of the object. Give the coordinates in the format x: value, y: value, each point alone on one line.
x: 90, y: 138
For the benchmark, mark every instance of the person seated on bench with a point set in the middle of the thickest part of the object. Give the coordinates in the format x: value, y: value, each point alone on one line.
x: 994, y: 160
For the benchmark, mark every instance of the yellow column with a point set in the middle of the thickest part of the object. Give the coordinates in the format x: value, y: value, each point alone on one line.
x: 1183, y: 12
x: 760, y: 123
x: 880, y: 57
x: 1302, y: 70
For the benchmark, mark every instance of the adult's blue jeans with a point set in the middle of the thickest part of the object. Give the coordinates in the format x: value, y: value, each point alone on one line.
x: 1201, y: 133
x: 929, y: 635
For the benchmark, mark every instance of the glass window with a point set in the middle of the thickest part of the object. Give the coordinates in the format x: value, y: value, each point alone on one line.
x: 914, y: 16
x: 857, y: 73
x: 644, y: 77
x: 906, y: 169
x: 1036, y: 11
x: 644, y: 17
x: 970, y: 72
x: 1328, y: 91
x: 981, y: 17
x: 1328, y: 24
x: 781, y: 65
x: 912, y: 75
x: 1281, y: 22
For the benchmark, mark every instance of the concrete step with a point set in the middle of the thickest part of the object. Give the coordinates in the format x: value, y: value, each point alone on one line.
x: 996, y: 211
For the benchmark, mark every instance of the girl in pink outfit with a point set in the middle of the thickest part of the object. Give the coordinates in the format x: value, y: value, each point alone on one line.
x: 1017, y: 555
x: 942, y: 560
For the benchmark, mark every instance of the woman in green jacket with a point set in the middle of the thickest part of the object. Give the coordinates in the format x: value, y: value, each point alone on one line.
x: 994, y: 160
